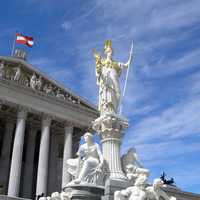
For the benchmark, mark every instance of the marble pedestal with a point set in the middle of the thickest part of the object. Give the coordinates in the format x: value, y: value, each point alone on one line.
x: 113, y: 185
x: 110, y: 128
x: 86, y: 191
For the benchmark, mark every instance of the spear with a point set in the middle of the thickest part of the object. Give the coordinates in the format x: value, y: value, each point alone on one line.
x: 13, y: 46
x: 127, y: 73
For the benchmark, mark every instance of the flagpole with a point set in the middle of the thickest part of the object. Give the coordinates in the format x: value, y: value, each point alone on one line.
x: 126, y: 80
x: 13, y: 46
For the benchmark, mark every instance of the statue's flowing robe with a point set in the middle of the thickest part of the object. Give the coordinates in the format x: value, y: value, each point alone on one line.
x: 109, y: 88
x: 86, y: 163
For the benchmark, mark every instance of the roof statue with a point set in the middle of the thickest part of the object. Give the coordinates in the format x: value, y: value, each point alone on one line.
x: 165, y: 180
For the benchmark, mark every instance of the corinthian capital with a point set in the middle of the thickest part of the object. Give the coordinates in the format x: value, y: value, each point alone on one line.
x: 46, y: 120
x: 68, y: 124
x: 110, y: 126
x: 22, y: 112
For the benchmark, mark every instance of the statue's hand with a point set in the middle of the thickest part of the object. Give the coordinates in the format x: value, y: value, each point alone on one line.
x: 129, y: 62
x: 96, y: 54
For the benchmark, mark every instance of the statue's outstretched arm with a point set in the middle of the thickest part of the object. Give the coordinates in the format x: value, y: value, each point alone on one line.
x: 130, y: 58
x: 127, y: 63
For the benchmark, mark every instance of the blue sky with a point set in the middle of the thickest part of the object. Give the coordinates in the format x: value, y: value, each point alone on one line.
x: 163, y: 94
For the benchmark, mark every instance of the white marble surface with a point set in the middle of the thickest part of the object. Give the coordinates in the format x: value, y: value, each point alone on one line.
x: 16, y: 162
x: 88, y: 166
x: 110, y: 128
x: 42, y: 175
x: 67, y: 154
x: 139, y: 191
x: 108, y: 73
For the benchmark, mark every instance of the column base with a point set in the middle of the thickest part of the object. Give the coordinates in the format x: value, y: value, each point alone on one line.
x: 111, y: 128
x: 117, y: 176
x: 86, y: 191
x: 113, y: 185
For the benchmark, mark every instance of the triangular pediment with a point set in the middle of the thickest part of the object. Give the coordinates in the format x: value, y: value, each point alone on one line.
x: 23, y: 73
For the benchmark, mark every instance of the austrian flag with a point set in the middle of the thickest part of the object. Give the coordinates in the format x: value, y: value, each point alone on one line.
x: 21, y: 39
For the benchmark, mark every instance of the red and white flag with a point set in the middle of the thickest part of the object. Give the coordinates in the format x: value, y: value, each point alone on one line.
x: 22, y: 39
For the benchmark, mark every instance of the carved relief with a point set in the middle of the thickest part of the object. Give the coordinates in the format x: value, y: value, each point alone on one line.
x: 59, y: 94
x: 36, y: 82
x: 39, y: 83
x: 17, y: 74
x: 33, y: 81
x: 2, y: 70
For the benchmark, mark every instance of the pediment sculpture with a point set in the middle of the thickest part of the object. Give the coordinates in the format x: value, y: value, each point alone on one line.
x: 22, y: 75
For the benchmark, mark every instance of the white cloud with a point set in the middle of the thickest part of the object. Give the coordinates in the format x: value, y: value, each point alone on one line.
x: 158, y: 152
x: 178, y: 121
x: 66, y: 25
x: 175, y: 16
x: 157, y: 27
x: 177, y: 64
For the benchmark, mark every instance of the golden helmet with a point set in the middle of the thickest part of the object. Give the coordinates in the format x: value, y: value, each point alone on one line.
x: 107, y: 45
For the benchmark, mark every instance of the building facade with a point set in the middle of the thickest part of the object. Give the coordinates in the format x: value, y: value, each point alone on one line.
x: 41, y: 124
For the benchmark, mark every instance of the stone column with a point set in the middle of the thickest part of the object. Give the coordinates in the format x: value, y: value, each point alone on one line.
x: 67, y: 153
x: 110, y: 128
x: 28, y: 170
x: 5, y: 164
x: 42, y: 174
x: 16, y: 162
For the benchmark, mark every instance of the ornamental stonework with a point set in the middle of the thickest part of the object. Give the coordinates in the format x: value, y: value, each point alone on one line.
x: 19, y: 74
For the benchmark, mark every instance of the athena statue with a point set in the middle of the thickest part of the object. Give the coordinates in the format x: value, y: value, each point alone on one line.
x: 108, y: 72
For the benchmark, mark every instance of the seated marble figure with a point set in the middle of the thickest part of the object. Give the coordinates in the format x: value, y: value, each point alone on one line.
x: 88, y: 166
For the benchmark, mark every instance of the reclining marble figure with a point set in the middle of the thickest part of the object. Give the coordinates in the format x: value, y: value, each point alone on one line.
x: 135, y: 192
x: 132, y: 167
x: 88, y: 166
x: 140, y: 191
x: 138, y: 176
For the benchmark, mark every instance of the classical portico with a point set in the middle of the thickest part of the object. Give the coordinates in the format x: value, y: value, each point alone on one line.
x: 41, y: 125
x: 43, y: 156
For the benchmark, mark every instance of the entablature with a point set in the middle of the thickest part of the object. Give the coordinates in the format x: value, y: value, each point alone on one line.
x: 24, y: 74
